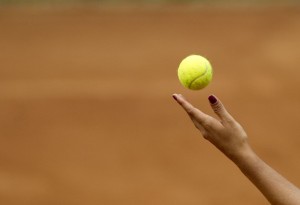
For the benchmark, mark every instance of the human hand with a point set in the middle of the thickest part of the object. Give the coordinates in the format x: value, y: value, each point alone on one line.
x: 226, y: 133
x: 229, y: 137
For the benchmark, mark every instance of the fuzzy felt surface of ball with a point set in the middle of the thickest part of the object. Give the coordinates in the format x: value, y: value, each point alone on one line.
x: 195, y: 72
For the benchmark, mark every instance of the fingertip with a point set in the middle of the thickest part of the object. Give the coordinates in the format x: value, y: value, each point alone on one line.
x: 219, y: 108
x: 215, y: 104
x: 178, y: 98
x: 212, y: 99
x: 174, y: 96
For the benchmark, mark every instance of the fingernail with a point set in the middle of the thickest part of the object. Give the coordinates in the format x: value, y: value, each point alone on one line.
x: 175, y: 97
x: 212, y: 99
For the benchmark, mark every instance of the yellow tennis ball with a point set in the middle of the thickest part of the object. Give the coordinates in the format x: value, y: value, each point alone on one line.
x: 195, y: 72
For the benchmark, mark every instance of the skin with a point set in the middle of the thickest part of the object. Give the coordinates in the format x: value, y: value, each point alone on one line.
x: 226, y: 134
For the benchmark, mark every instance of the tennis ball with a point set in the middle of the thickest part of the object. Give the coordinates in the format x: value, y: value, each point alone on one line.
x: 195, y: 72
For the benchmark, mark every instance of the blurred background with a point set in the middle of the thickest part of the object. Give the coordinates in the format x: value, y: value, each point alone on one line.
x: 86, y: 112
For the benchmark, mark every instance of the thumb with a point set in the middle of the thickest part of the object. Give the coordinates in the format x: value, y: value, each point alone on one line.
x: 219, y: 109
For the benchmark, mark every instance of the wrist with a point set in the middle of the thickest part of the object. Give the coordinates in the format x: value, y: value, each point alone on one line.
x: 243, y: 156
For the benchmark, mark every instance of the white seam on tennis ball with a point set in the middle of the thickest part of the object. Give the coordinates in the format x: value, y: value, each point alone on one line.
x: 206, y: 69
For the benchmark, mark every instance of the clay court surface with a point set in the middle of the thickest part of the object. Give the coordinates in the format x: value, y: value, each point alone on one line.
x: 87, y: 115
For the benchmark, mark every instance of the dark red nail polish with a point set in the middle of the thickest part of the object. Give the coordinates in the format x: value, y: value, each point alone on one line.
x: 175, y: 98
x: 212, y: 99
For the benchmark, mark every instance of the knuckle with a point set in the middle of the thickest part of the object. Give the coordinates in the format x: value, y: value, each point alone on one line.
x: 205, y: 136
x: 218, y: 108
x: 206, y: 123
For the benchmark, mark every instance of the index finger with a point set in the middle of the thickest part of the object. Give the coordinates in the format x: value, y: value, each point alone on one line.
x: 190, y: 109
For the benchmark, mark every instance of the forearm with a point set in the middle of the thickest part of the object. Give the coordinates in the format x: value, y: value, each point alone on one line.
x: 277, y: 189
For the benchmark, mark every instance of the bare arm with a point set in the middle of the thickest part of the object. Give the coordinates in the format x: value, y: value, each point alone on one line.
x: 230, y: 138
